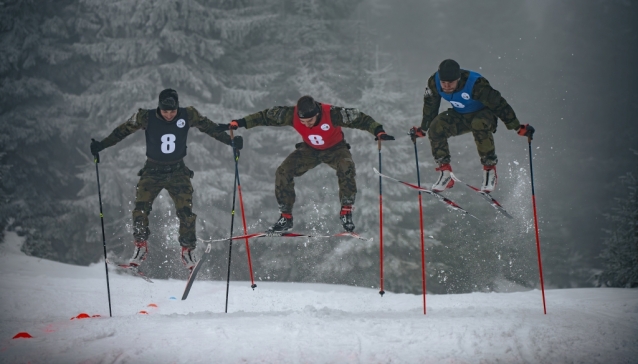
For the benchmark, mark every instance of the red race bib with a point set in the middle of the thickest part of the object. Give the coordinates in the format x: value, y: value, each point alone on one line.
x: 321, y: 136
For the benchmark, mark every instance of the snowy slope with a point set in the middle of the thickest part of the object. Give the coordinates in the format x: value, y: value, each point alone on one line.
x: 297, y: 323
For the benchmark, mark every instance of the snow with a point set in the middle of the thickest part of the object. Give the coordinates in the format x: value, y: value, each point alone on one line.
x: 296, y: 322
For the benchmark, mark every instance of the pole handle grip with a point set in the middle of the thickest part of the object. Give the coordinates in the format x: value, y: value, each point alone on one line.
x: 96, y: 157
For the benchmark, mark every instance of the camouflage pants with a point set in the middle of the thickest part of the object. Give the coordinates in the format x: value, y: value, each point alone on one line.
x: 305, y: 158
x: 176, y: 179
x: 450, y: 123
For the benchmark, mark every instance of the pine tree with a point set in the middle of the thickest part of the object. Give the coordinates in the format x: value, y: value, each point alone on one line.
x: 37, y: 144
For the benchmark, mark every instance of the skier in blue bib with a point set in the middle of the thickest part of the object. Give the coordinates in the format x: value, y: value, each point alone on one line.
x: 475, y: 108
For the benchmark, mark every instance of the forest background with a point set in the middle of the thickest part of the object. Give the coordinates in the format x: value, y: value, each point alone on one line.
x: 72, y: 70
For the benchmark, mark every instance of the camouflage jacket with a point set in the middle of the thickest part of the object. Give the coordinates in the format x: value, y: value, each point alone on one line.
x: 341, y: 116
x: 139, y: 120
x: 482, y: 92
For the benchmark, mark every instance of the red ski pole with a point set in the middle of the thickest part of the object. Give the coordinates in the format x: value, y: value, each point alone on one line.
x: 538, y: 241
x: 381, y: 291
x: 418, y: 178
x: 243, y: 215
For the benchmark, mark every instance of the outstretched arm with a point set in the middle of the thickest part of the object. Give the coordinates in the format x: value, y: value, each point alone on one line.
x: 205, y: 125
x: 276, y: 116
x: 493, y: 100
x: 355, y: 119
x: 136, y: 122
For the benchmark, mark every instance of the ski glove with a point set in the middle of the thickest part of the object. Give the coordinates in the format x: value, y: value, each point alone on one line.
x: 416, y: 132
x: 526, y: 130
x: 380, y: 134
x: 234, y: 125
x: 239, y: 142
x: 96, y: 147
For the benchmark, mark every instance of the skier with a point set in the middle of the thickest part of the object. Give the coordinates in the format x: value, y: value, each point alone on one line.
x: 320, y: 126
x: 475, y: 108
x: 166, y: 131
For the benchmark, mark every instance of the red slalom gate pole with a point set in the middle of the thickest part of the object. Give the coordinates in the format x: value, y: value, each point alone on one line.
x: 538, y: 241
x: 243, y: 215
x: 381, y: 291
x: 418, y: 178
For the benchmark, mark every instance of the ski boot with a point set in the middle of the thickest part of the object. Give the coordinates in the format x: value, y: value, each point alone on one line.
x: 139, y: 254
x: 282, y: 225
x: 346, y: 218
x: 489, y: 179
x: 445, y: 180
x: 188, y: 257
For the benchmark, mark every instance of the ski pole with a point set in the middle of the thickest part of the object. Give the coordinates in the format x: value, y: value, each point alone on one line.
x: 418, y: 178
x: 232, y: 222
x: 241, y: 206
x: 230, y: 240
x: 538, y: 242
x: 96, y: 159
x: 381, y: 291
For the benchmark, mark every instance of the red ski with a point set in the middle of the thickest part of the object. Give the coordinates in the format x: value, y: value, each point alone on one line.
x: 451, y: 204
x: 288, y: 235
x: 131, y: 268
x: 486, y: 196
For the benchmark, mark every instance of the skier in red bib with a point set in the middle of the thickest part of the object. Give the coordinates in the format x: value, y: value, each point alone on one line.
x: 320, y: 127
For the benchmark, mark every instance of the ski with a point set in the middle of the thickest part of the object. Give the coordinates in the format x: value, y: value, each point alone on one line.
x: 266, y: 234
x: 131, y: 268
x: 353, y: 235
x: 451, y: 204
x: 486, y: 196
x: 193, y: 275
x: 289, y: 235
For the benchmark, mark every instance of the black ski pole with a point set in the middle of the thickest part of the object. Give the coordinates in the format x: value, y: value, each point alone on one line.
x: 418, y: 178
x: 243, y: 213
x: 538, y: 241
x: 232, y: 222
x: 96, y: 159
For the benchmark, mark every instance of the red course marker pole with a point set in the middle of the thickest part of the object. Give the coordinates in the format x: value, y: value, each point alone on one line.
x: 381, y: 291
x: 538, y: 241
x: 418, y: 177
x: 243, y: 215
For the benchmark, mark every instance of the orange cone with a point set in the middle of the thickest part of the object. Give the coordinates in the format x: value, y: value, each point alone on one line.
x: 152, y: 305
x: 81, y: 316
x: 23, y: 335
x: 143, y: 312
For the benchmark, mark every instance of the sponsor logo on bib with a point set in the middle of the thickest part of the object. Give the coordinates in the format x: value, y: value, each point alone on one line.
x: 465, y: 96
x: 181, y: 123
x: 325, y: 127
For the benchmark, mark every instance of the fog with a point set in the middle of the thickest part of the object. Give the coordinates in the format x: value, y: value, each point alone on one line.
x: 566, y: 67
x: 73, y: 70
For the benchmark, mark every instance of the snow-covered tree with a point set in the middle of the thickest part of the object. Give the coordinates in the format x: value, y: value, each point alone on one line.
x: 36, y: 140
